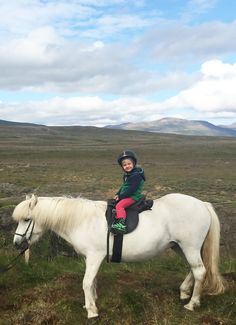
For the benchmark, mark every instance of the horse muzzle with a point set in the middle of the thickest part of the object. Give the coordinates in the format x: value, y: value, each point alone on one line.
x: 21, y: 245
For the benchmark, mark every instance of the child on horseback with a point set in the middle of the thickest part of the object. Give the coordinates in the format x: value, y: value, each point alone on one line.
x: 131, y: 189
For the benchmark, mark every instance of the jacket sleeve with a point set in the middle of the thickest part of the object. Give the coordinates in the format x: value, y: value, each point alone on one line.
x: 133, y: 184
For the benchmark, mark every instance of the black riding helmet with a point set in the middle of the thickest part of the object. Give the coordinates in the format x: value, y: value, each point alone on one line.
x: 127, y: 155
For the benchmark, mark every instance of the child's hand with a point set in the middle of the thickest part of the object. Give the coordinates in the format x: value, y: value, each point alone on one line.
x: 116, y: 197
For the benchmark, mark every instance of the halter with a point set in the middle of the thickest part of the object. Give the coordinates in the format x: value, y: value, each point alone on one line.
x: 25, y: 233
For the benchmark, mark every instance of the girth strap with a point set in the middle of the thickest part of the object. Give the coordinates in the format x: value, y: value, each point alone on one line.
x: 117, y: 248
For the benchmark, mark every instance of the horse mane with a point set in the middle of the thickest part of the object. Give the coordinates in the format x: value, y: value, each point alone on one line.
x: 59, y: 213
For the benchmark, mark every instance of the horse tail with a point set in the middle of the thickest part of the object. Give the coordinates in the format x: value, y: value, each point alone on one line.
x: 213, y: 282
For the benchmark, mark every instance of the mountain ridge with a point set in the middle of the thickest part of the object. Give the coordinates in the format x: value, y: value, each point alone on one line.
x: 179, y: 126
x: 166, y: 125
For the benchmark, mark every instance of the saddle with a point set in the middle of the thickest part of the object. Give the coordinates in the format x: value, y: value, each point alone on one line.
x: 132, y: 219
x: 132, y: 213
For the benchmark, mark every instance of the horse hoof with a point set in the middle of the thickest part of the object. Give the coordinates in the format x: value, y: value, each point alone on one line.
x: 189, y: 307
x: 92, y: 315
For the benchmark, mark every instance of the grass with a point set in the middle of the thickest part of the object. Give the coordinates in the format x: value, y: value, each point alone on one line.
x: 82, y: 161
x: 49, y: 292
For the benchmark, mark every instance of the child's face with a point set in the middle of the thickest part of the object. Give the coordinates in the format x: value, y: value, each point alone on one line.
x: 127, y: 165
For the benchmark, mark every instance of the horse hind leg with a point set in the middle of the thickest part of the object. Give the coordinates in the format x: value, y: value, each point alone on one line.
x: 186, y: 287
x: 198, y: 271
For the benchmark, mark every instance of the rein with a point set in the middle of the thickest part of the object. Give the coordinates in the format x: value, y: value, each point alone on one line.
x: 25, y: 245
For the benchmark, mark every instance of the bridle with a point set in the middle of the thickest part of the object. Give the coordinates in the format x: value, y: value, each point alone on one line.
x: 26, y: 231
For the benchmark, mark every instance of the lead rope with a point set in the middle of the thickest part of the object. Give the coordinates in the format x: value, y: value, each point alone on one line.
x: 108, y: 237
x: 11, y: 264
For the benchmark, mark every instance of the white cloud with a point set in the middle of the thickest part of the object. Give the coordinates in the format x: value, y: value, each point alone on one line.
x: 214, y: 93
x: 46, y: 50
x: 178, y: 43
x: 44, y: 61
x: 79, y: 110
x: 35, y: 51
x: 218, y: 69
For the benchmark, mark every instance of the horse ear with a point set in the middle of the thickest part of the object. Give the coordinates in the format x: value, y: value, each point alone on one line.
x: 33, y: 201
x: 27, y: 197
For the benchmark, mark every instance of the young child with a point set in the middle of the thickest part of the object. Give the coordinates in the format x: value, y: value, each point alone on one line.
x: 131, y: 189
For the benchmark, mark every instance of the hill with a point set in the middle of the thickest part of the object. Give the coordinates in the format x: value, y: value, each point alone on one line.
x: 166, y: 125
x: 179, y: 126
x: 10, y: 123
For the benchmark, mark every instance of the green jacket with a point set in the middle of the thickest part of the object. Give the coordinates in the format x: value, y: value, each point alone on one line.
x: 132, y: 186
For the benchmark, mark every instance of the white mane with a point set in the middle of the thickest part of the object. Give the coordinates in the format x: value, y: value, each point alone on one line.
x: 59, y: 213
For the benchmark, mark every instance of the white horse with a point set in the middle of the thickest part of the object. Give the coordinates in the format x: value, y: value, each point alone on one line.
x: 176, y: 220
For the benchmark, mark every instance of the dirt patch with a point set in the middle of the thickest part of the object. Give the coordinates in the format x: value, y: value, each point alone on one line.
x: 211, y: 320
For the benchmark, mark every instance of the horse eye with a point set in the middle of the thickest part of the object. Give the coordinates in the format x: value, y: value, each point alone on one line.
x: 26, y: 219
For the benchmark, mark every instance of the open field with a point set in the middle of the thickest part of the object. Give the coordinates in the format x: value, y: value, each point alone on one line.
x: 82, y: 161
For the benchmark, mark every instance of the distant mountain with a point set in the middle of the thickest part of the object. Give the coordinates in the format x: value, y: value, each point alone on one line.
x: 10, y: 123
x: 165, y: 125
x: 179, y: 126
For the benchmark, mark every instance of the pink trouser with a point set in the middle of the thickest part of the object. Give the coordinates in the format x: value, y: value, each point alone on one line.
x: 121, y: 205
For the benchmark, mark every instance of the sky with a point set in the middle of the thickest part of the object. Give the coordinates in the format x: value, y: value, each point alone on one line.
x: 100, y: 62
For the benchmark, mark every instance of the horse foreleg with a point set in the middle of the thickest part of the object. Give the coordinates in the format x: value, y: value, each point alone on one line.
x: 95, y: 289
x: 186, y: 287
x: 93, y: 263
x: 27, y: 256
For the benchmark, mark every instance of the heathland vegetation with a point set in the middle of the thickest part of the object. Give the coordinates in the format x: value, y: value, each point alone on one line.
x: 81, y: 161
